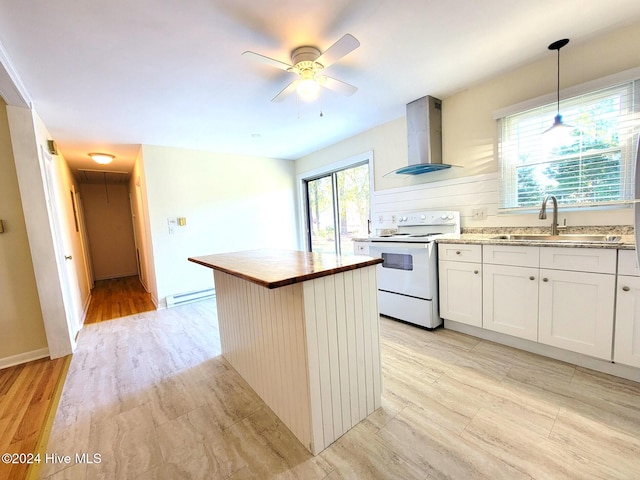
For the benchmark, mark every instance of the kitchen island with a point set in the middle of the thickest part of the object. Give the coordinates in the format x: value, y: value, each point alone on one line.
x: 303, y: 330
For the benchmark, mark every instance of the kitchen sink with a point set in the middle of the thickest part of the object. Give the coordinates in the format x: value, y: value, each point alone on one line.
x: 571, y: 238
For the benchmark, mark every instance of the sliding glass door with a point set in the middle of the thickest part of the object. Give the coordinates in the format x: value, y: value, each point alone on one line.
x: 338, y: 209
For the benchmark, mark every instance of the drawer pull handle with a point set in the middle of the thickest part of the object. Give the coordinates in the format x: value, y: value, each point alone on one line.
x: 475, y: 271
x: 532, y: 277
x: 625, y: 289
x: 458, y: 252
x: 545, y: 279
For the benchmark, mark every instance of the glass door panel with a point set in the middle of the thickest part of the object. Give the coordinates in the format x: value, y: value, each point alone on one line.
x: 353, y: 204
x: 321, y: 215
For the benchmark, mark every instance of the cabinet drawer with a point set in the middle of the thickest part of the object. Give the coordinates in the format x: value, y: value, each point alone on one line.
x: 597, y: 260
x: 460, y: 252
x: 511, y: 255
x: 361, y: 248
x: 627, y: 263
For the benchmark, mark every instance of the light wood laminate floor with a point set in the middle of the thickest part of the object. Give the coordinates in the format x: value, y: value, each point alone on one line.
x: 26, y: 393
x: 117, y: 297
x: 152, y: 396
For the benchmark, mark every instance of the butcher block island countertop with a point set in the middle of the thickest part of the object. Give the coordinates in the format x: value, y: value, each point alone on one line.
x: 303, y: 330
x: 276, y: 268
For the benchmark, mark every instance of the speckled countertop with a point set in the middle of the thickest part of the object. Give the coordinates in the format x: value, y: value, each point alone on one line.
x: 487, y: 235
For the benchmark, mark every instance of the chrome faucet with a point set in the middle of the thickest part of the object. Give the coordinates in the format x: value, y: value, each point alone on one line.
x: 543, y: 213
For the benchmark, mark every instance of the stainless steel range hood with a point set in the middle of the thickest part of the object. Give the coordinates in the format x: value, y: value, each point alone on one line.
x: 424, y: 134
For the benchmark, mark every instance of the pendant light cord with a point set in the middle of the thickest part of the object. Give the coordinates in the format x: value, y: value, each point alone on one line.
x: 558, y: 89
x: 557, y: 45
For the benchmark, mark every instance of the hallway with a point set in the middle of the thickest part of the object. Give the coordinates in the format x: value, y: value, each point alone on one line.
x: 117, y: 297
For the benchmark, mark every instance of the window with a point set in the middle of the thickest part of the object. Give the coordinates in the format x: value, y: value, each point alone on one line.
x: 590, y: 166
x: 337, y: 209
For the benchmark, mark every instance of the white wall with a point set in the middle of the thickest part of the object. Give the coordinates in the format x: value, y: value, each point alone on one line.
x: 110, y: 230
x: 23, y: 337
x: 230, y: 203
x: 470, y: 134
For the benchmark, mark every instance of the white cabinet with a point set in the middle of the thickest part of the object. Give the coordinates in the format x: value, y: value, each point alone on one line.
x: 361, y: 248
x: 576, y: 311
x: 627, y: 337
x: 460, y: 283
x: 510, y: 286
x: 577, y: 298
x: 510, y: 300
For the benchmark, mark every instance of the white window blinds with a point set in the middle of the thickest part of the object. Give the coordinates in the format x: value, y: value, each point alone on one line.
x: 591, y: 165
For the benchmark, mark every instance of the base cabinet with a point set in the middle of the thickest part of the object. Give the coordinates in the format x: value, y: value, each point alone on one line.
x: 576, y: 311
x: 510, y: 303
x: 461, y: 292
x: 627, y: 338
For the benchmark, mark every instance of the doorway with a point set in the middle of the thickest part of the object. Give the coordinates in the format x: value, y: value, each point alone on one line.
x: 117, y: 289
x: 338, y: 208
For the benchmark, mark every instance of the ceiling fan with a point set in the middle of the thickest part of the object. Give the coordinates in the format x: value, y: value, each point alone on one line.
x: 308, y: 62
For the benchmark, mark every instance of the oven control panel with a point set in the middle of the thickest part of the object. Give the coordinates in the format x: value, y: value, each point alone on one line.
x: 419, y: 218
x: 427, y: 218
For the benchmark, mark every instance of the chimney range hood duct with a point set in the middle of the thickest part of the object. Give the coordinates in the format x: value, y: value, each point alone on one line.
x: 424, y: 134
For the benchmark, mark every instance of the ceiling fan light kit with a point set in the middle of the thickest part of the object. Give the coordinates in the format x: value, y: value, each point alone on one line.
x: 307, y: 62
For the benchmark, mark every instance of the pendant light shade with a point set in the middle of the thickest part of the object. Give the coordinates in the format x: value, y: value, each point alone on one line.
x: 558, y: 124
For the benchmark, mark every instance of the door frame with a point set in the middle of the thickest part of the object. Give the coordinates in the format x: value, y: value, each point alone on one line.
x: 302, y: 178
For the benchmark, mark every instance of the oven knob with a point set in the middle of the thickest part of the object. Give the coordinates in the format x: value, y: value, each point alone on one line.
x: 444, y: 216
x: 423, y: 217
x: 450, y: 216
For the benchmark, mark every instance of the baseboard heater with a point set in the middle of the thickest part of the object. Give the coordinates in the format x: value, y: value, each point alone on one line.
x: 182, y: 298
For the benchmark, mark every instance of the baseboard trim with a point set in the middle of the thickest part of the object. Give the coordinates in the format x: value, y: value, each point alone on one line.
x: 23, y: 357
x: 117, y: 275
x: 616, y: 369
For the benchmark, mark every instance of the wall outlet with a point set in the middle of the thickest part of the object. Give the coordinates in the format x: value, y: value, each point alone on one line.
x: 479, y: 214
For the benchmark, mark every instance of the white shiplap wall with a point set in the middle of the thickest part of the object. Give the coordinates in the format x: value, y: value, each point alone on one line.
x: 310, y: 350
x: 466, y: 194
x: 462, y: 194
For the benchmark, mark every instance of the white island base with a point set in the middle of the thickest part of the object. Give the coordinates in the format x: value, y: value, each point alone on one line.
x: 310, y: 350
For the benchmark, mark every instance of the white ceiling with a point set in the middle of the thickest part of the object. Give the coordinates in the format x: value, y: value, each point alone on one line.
x: 107, y: 75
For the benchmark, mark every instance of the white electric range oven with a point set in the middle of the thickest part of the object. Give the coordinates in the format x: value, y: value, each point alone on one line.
x: 408, y: 277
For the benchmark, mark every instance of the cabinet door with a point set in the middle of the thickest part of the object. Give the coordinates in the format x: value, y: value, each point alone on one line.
x: 627, y: 342
x: 461, y: 292
x: 576, y: 311
x: 510, y: 300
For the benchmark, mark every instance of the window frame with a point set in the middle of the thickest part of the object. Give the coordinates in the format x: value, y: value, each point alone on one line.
x: 508, y: 183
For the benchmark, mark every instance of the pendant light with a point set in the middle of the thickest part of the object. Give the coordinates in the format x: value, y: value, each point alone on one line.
x: 558, y: 124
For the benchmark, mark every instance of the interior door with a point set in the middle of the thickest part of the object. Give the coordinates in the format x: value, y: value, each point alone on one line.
x: 64, y: 259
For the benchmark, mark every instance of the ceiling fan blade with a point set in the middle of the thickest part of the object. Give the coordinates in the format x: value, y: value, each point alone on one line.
x: 335, y: 52
x: 286, y: 91
x: 267, y: 60
x: 337, y: 85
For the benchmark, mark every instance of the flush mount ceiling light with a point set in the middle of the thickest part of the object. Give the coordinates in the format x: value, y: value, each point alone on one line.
x: 558, y: 124
x: 102, y: 158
